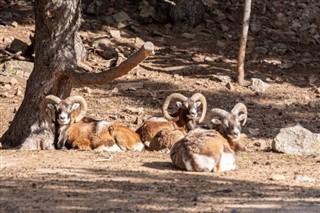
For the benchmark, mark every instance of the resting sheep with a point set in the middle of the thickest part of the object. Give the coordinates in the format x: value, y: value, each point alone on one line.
x: 163, y: 132
x: 229, y: 124
x: 211, y: 150
x: 74, y: 131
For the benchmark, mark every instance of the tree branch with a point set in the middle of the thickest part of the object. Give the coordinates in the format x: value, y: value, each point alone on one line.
x: 88, y: 78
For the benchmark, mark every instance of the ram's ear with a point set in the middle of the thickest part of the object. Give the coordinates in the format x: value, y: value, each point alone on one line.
x: 75, y: 106
x: 179, y: 104
x: 51, y: 108
x: 216, y: 121
x: 198, y: 103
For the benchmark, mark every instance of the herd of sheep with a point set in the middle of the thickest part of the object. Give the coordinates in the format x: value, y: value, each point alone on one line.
x: 192, y: 147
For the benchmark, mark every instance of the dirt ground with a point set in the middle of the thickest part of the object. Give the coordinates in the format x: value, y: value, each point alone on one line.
x: 86, y: 181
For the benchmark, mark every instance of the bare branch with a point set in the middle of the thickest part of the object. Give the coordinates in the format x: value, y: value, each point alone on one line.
x: 88, y: 78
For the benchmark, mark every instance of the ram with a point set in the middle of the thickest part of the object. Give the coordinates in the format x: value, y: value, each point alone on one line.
x: 74, y: 131
x: 163, y: 132
x: 208, y: 149
x: 203, y: 150
x: 229, y: 124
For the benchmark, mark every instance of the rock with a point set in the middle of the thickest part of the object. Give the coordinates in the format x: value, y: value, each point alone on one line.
x: 221, y: 44
x: 87, y: 90
x: 14, y: 24
x: 297, y: 140
x: 278, y: 177
x: 18, y: 45
x: 19, y: 92
x: 258, y: 85
x: 16, y: 68
x: 105, y: 48
x: 254, y: 132
x: 280, y: 48
x: 115, y: 33
x: 224, y: 28
x: 261, y: 50
x: 285, y: 65
x: 122, y: 19
x: 129, y: 86
x: 177, y: 77
x: 257, y: 193
x: 255, y: 27
x: 132, y: 110
x: 188, y: 35
x: 230, y: 86
x: 302, y: 178
x: 222, y: 78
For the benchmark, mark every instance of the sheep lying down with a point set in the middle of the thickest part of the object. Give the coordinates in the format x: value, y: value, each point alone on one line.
x: 203, y: 150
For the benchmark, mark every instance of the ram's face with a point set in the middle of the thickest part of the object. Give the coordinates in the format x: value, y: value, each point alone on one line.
x: 232, y: 127
x: 63, y: 112
x: 190, y: 108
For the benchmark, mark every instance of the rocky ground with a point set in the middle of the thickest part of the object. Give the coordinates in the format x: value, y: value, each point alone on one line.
x: 283, y: 52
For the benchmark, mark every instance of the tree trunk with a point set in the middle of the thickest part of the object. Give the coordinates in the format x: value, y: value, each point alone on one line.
x: 243, y: 41
x: 56, y: 71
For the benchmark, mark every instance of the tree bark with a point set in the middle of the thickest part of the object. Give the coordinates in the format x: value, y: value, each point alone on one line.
x: 56, y: 71
x: 243, y: 42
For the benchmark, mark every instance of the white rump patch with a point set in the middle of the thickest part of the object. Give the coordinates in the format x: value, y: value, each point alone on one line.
x: 155, y: 119
x: 138, y: 147
x: 101, y: 125
x: 205, y: 162
x: 187, y: 164
x: 113, y: 148
x: 228, y: 162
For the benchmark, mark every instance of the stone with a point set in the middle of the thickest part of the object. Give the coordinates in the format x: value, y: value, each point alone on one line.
x: 230, y: 86
x: 297, y: 140
x: 133, y: 110
x: 188, y: 35
x: 105, y: 48
x: 115, y: 33
x: 122, y: 19
x: 18, y: 45
x: 303, y: 178
x: 18, y: 92
x: 87, y: 90
x: 129, y: 86
x: 16, y: 68
x: 278, y: 177
x: 258, y: 85
x: 280, y: 48
x: 14, y: 24
x: 222, y: 78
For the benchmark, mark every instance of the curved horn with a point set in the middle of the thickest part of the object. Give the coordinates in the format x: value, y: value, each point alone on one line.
x: 220, y: 113
x: 83, y: 105
x: 50, y: 99
x: 240, y: 108
x: 173, y: 96
x: 199, y: 97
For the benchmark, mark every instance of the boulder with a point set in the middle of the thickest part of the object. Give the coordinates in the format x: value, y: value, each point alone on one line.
x: 258, y: 85
x: 297, y: 140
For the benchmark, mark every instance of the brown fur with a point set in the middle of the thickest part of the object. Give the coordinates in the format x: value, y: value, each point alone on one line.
x: 165, y: 139
x: 202, y: 142
x: 150, y: 128
x: 82, y: 135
